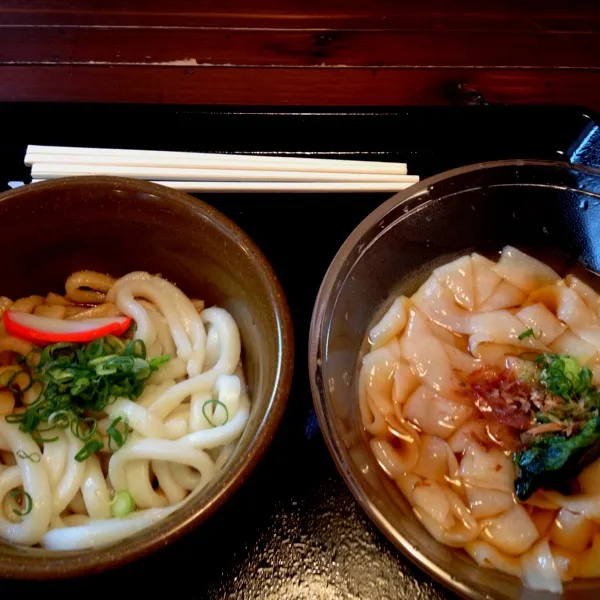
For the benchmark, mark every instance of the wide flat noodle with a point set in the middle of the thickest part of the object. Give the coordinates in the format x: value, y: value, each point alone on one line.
x: 512, y: 532
x: 524, y: 271
x: 435, y: 414
x: 505, y: 295
x: 427, y: 356
x: 458, y: 277
x: 590, y: 296
x: 540, y: 571
x: 390, y: 325
x: 546, y: 327
x: 436, y: 301
x: 453, y: 463
x: 486, y: 278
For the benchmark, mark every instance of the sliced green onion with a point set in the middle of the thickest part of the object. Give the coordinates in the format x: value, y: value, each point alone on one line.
x: 33, y: 457
x: 15, y: 417
x: 79, y: 380
x: 159, y: 361
x: 90, y: 448
x: 11, y: 381
x: 7, y: 377
x: 101, y: 359
x: 527, y: 333
x: 122, y: 504
x: 18, y: 495
x: 78, y: 430
x: 94, y: 349
x: 33, y: 358
x: 115, y: 436
x: 41, y: 440
x: 40, y: 395
x: 130, y: 349
x: 216, y: 403
x: 60, y: 419
x: 115, y: 344
x: 141, y: 368
x: 79, y: 385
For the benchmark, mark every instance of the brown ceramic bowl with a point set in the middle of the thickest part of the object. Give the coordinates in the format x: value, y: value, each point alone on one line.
x: 114, y: 225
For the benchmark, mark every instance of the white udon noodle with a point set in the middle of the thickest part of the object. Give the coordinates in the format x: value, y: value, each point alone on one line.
x: 470, y: 312
x: 171, y: 437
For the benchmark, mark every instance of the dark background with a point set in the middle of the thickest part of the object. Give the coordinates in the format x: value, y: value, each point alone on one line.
x: 293, y: 531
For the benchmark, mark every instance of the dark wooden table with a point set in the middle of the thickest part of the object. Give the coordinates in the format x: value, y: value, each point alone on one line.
x: 301, y: 52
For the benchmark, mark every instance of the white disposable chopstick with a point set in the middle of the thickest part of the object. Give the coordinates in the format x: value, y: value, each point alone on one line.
x: 277, y: 186
x: 216, y: 162
x: 157, y: 158
x: 53, y: 171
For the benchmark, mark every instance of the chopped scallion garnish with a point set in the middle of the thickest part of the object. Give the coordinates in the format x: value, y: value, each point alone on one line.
x: 122, y: 504
x: 90, y: 448
x: 76, y: 380
x: 527, y: 333
x: 33, y: 457
x: 115, y: 436
x: 216, y: 403
x: 19, y: 496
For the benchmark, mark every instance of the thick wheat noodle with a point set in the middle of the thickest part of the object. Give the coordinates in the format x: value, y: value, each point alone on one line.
x: 139, y: 482
x: 34, y: 479
x: 177, y: 442
x: 22, y: 380
x: 13, y: 344
x: 53, y: 299
x: 7, y: 402
x: 5, y: 303
x: 53, y: 311
x: 107, y: 309
x: 26, y: 305
x: 97, y: 283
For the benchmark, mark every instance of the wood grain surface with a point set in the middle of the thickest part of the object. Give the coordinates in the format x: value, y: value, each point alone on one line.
x: 294, y: 52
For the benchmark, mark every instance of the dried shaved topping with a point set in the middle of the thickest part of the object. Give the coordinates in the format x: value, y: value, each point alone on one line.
x: 502, y: 398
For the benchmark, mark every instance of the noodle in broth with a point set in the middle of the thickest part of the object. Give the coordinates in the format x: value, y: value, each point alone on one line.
x: 478, y: 395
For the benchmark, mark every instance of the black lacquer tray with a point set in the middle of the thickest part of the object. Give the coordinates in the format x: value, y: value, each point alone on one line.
x: 293, y: 531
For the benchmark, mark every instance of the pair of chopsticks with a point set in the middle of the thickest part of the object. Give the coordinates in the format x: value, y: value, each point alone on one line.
x: 202, y: 172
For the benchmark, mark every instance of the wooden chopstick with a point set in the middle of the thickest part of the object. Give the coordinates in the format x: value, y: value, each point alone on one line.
x: 53, y: 171
x: 157, y: 158
x: 278, y: 186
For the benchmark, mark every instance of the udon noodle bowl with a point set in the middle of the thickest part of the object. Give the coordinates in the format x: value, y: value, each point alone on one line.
x: 479, y: 399
x: 119, y: 401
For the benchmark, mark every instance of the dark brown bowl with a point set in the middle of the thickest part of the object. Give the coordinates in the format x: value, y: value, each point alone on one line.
x: 114, y: 225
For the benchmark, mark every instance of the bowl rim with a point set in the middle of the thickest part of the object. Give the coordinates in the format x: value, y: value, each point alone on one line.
x: 316, y: 337
x: 61, y: 566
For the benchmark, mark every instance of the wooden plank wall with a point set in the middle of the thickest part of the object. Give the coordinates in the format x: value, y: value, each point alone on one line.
x: 301, y: 52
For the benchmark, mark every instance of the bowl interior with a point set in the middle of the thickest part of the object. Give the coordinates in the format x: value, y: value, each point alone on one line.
x: 552, y: 211
x: 117, y: 226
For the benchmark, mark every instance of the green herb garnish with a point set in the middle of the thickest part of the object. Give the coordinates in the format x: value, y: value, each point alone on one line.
x: 122, y: 504
x: 527, y: 333
x: 563, y: 376
x: 33, y: 457
x: 90, y: 448
x: 19, y: 495
x: 115, y: 436
x: 79, y: 380
x: 568, y: 402
x: 216, y: 403
x: 552, y: 459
